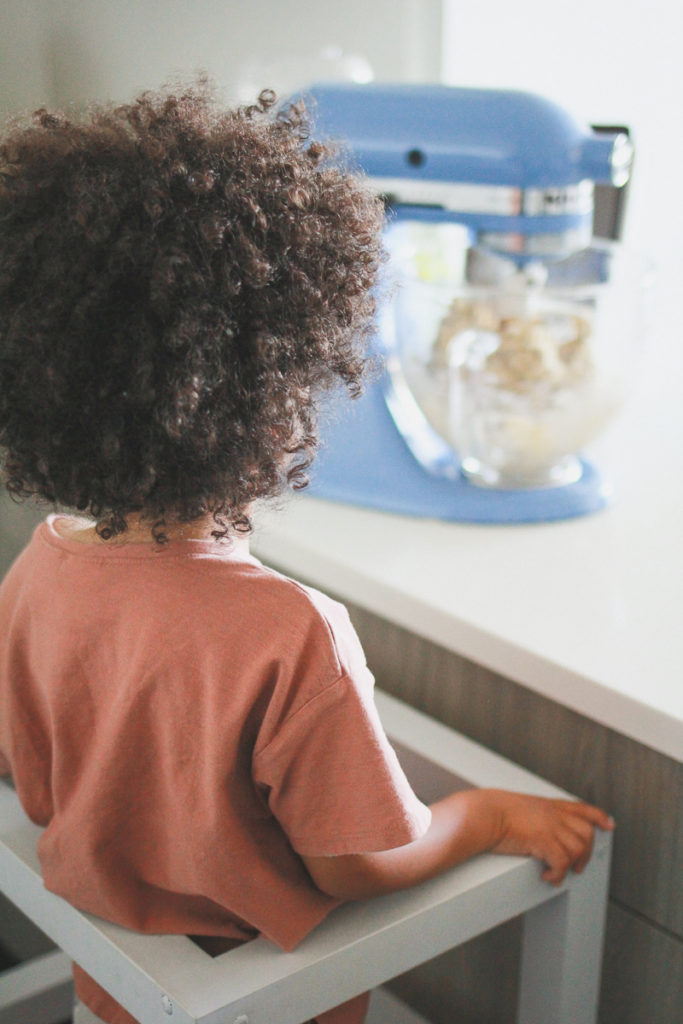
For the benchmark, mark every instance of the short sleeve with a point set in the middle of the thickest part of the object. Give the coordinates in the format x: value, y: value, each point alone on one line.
x: 333, y: 780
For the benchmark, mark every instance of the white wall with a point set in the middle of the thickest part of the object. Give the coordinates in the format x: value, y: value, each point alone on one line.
x: 63, y: 51
x: 609, y: 61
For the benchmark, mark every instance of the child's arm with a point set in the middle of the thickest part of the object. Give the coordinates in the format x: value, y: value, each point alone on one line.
x: 557, y: 832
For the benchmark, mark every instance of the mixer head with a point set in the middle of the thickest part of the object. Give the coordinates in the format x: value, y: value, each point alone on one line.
x: 515, y: 168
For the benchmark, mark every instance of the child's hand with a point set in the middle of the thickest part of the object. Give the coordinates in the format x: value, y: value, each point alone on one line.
x: 557, y: 832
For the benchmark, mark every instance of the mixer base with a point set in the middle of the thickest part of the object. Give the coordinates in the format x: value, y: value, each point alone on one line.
x: 365, y: 461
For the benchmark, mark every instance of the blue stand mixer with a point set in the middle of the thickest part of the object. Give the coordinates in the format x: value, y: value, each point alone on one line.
x: 505, y: 328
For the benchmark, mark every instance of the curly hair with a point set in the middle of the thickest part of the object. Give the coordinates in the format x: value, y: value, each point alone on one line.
x: 179, y: 284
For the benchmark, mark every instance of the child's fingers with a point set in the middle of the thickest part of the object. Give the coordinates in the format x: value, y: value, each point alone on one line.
x: 557, y: 870
x: 584, y: 831
x: 553, y: 876
x: 587, y: 812
x: 583, y: 849
x: 567, y: 850
x: 573, y: 840
x: 558, y: 862
x: 559, y: 849
x: 559, y: 833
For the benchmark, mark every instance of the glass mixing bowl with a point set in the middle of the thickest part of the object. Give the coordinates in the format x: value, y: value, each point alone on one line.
x: 516, y: 367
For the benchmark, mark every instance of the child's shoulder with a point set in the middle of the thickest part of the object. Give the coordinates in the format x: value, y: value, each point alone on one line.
x: 304, y: 600
x: 315, y: 614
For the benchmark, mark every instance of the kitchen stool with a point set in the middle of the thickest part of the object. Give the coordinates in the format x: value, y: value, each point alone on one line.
x: 167, y: 979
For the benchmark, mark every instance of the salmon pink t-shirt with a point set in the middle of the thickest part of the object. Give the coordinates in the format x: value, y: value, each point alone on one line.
x: 184, y: 723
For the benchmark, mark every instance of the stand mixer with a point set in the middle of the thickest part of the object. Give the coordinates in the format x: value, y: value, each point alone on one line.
x: 506, y: 335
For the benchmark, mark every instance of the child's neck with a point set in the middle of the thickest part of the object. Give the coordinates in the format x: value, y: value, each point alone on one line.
x: 139, y: 531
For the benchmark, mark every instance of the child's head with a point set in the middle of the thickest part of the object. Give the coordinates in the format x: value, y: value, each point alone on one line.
x: 178, y: 285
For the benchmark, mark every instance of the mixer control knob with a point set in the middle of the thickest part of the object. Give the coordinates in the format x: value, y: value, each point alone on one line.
x: 607, y: 158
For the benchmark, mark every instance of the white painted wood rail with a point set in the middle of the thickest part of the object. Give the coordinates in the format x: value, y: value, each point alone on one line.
x: 169, y: 980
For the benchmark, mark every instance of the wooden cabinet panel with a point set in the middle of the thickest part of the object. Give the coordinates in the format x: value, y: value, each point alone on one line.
x: 641, y: 788
x: 477, y: 984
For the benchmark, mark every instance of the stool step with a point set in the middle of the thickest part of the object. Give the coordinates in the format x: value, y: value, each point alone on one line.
x: 386, y: 1008
x: 39, y: 991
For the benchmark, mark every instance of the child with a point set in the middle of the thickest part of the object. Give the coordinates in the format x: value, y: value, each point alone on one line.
x: 178, y: 287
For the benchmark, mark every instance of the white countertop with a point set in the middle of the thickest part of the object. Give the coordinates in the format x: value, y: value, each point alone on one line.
x: 587, y: 612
